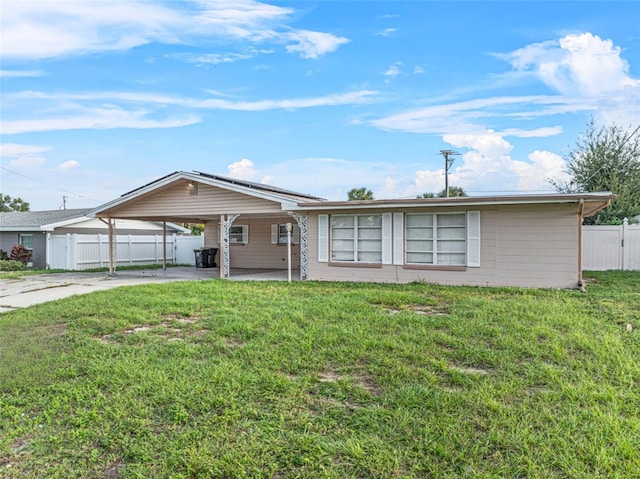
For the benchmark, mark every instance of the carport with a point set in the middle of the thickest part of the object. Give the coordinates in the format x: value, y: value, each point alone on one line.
x: 246, y: 221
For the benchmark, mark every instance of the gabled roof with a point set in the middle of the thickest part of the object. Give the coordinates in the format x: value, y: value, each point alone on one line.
x: 35, y: 220
x: 286, y: 198
x: 22, y: 221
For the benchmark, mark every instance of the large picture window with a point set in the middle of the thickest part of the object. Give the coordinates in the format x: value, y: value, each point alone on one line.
x: 356, y: 238
x: 436, y: 239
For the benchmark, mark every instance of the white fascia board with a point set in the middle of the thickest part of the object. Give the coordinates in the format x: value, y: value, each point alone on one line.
x: 59, y: 224
x: 495, y: 202
x: 19, y: 229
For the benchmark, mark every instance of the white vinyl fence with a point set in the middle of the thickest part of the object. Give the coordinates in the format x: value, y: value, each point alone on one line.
x: 611, y: 247
x: 86, y: 251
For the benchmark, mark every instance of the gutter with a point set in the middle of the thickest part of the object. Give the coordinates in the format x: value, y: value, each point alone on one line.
x: 580, y: 218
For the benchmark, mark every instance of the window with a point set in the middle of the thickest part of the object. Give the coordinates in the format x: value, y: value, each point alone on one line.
x: 437, y: 239
x: 279, y: 234
x: 27, y: 242
x: 237, y: 234
x: 356, y: 238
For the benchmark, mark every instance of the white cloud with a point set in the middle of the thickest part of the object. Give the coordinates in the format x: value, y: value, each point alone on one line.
x: 386, y: 32
x: 74, y: 115
x: 20, y: 73
x: 577, y: 64
x: 15, y: 149
x: 33, y: 30
x: 393, y: 71
x: 489, y: 166
x: 242, y: 170
x: 543, y: 132
x: 95, y: 119
x: 313, y: 44
x: 28, y: 161
x: 68, y: 165
x: 418, y: 70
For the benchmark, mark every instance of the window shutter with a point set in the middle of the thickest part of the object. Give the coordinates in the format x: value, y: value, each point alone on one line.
x: 323, y: 238
x: 387, y: 244
x: 295, y: 234
x: 398, y: 238
x: 245, y: 234
x: 275, y: 232
x: 473, y: 238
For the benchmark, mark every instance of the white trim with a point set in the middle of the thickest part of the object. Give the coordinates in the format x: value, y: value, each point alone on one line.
x: 387, y: 239
x: 398, y: 239
x: 473, y: 239
x: 323, y: 238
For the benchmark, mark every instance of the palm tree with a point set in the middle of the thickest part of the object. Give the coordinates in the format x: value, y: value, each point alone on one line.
x: 362, y: 193
x: 453, y: 192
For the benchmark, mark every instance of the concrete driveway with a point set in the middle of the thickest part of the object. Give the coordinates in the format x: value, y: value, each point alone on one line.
x: 40, y: 288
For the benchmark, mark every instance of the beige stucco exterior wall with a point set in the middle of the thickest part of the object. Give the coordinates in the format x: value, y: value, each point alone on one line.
x: 529, y: 246
x: 259, y: 252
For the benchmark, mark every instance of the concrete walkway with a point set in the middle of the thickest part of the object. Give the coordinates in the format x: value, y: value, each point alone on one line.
x: 40, y: 288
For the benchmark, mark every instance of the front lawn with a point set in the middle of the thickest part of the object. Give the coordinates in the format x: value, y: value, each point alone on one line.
x: 224, y: 379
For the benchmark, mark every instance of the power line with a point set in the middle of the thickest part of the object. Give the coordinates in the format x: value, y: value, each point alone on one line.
x: 49, y: 186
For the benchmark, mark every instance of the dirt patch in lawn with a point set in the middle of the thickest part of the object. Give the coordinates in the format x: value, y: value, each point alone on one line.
x: 424, y: 309
x: 166, y: 329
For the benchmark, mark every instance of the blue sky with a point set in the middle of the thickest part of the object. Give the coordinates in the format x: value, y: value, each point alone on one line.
x: 99, y: 98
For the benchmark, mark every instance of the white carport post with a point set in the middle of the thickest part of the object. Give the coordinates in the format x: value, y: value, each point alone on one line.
x: 112, y: 249
x: 164, y: 245
x: 225, y: 224
x: 302, y: 225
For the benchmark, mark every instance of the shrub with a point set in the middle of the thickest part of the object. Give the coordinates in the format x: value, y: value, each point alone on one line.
x: 11, y: 265
x: 3, y: 254
x: 20, y: 253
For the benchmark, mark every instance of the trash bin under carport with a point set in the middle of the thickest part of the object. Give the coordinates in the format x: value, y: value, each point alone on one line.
x: 211, y: 257
x: 202, y: 257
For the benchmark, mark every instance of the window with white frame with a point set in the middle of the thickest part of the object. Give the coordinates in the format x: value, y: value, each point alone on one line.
x: 279, y: 234
x: 237, y: 234
x: 436, y: 239
x: 356, y: 238
x: 27, y: 241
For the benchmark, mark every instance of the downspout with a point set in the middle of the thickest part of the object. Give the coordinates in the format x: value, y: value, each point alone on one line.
x: 580, y: 218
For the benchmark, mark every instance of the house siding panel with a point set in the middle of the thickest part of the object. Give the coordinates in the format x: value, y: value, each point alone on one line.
x: 259, y: 252
x: 529, y: 246
x: 177, y: 201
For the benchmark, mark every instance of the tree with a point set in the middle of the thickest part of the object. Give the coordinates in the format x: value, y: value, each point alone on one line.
x: 12, y: 204
x: 606, y: 159
x: 362, y: 193
x: 453, y: 192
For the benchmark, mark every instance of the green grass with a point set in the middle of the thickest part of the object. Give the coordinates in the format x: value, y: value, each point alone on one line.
x: 223, y: 379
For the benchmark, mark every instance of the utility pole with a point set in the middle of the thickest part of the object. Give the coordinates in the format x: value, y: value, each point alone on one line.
x: 64, y: 202
x: 448, y: 161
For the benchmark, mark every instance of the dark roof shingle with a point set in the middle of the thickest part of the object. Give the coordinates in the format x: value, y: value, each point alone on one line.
x: 38, y: 218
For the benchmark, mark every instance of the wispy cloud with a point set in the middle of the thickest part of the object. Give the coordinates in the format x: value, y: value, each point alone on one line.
x: 95, y: 119
x: 69, y: 165
x: 35, y: 30
x: 21, y: 73
x: 386, y: 32
x: 79, y: 110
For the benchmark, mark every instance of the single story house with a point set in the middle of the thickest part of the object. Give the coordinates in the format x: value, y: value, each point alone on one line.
x: 32, y: 229
x: 515, y: 240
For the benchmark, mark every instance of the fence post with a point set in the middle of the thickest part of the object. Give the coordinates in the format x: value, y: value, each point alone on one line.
x: 625, y: 247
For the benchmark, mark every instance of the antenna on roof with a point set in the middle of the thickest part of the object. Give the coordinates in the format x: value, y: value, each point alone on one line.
x: 64, y: 203
x: 448, y: 161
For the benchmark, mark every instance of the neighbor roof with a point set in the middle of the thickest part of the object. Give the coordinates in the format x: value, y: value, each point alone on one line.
x: 34, y: 220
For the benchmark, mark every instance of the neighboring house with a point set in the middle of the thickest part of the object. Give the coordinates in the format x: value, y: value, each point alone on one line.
x: 32, y: 229
x: 517, y: 240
